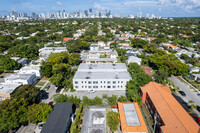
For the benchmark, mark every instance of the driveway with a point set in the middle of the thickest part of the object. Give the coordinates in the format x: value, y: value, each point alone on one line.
x: 80, y: 94
x: 190, y: 94
x: 51, y: 91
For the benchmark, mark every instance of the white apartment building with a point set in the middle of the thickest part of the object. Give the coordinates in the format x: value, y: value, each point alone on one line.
x: 21, y: 79
x: 31, y: 70
x: 105, y: 76
x: 94, y: 47
x: 49, y: 50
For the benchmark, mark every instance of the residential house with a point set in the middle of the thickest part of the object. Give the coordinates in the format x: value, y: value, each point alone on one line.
x: 48, y: 50
x: 101, y: 43
x: 131, y: 118
x: 170, y: 46
x: 67, y: 39
x: 6, y: 90
x: 94, y: 47
x: 31, y: 70
x: 23, y: 61
x: 60, y: 119
x: 147, y: 70
x: 94, y: 120
x: 196, y: 77
x: 21, y: 79
x: 134, y: 60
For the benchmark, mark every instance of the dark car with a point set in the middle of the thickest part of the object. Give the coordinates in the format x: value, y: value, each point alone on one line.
x: 41, y: 126
x: 198, y: 108
x: 182, y: 93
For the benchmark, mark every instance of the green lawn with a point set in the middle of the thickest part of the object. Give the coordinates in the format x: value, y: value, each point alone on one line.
x: 40, y: 83
x: 118, y: 60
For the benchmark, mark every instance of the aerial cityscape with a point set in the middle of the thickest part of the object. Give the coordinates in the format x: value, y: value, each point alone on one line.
x: 107, y: 66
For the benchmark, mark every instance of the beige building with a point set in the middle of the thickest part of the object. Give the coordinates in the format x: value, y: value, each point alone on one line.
x: 6, y: 90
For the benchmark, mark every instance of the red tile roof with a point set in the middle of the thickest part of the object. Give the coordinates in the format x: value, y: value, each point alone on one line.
x: 67, y: 38
x: 175, y: 118
x: 147, y: 70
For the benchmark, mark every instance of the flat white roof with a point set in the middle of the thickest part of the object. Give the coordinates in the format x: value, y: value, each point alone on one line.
x: 8, y: 88
x: 18, y: 76
x: 102, y: 75
x: 101, y: 59
x: 131, y: 115
x: 30, y: 68
x: 103, y: 66
x: 52, y: 49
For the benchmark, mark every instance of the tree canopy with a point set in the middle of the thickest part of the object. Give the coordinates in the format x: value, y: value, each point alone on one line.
x: 7, y: 64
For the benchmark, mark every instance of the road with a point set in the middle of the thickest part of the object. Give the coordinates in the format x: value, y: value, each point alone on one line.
x: 80, y: 94
x: 190, y: 94
x: 51, y: 91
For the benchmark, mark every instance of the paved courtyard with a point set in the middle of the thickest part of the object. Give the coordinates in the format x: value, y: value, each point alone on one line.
x: 80, y: 94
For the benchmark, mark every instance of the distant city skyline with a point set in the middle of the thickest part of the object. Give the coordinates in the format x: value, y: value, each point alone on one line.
x: 163, y: 8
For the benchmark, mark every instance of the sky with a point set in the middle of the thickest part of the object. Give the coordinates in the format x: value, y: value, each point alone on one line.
x: 163, y: 8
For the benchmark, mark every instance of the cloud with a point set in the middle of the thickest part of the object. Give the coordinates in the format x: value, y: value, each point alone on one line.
x: 98, y: 6
x: 184, y: 4
x: 59, y: 3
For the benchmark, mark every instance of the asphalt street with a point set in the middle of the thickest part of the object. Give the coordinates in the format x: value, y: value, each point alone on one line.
x: 190, y: 94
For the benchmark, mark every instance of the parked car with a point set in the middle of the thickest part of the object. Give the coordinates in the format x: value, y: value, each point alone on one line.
x: 198, y: 94
x: 198, y: 108
x: 41, y: 126
x: 46, y: 88
x: 182, y: 93
x: 196, y: 118
x: 91, y: 91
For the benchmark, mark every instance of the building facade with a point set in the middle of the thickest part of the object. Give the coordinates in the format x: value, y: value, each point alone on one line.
x: 105, y: 76
x: 21, y: 79
x: 169, y: 116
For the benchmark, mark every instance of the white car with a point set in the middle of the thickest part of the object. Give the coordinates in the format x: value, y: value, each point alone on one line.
x: 91, y: 91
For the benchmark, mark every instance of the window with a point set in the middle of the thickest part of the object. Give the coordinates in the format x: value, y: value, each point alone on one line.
x: 82, y: 86
x: 121, y: 86
x: 76, y: 87
x: 76, y: 82
x: 114, y: 86
x: 89, y: 86
x: 104, y: 81
x: 101, y: 86
x: 108, y: 86
x: 1, y: 97
x: 85, y: 82
x: 82, y: 81
x: 95, y: 86
x: 101, y: 81
x: 89, y: 82
x: 118, y: 81
x: 8, y: 97
x: 108, y: 82
x: 121, y: 81
x: 114, y: 82
x: 95, y: 82
x: 118, y: 86
x: 85, y: 86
